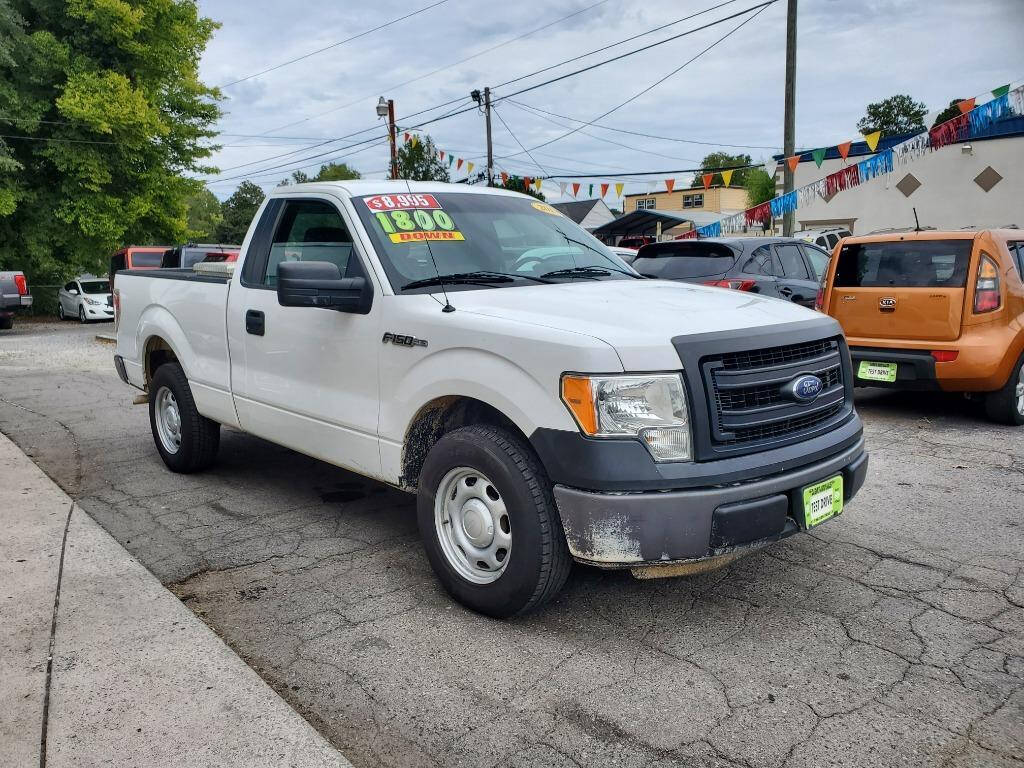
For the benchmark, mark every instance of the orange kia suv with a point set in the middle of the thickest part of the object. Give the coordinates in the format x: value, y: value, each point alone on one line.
x: 934, y: 310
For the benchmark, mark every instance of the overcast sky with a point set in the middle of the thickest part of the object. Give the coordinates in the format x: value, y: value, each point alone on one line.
x: 850, y: 52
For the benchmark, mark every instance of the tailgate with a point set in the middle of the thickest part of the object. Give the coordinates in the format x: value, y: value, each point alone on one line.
x: 903, y: 289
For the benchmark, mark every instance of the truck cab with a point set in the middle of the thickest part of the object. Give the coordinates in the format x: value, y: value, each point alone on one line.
x: 544, y: 402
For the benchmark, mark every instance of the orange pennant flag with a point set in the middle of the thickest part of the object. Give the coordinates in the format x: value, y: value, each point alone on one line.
x: 727, y: 177
x: 793, y: 162
x: 458, y: 164
x: 604, y: 190
x: 406, y: 137
x: 872, y: 139
x: 669, y: 184
x: 504, y: 178
x: 618, y: 189
x: 844, y: 148
x: 966, y: 105
x: 706, y: 178
x: 527, y: 181
x: 575, y: 189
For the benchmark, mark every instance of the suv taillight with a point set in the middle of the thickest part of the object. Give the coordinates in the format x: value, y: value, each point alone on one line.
x: 736, y: 285
x: 19, y: 280
x: 986, y: 286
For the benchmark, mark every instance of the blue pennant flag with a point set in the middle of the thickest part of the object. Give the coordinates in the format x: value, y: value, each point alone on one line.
x: 983, y: 116
x: 875, y: 166
x: 783, y: 204
x: 714, y: 229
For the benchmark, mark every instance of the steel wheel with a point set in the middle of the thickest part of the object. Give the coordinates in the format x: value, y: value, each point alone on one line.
x: 1019, y: 391
x: 473, y: 526
x: 168, y: 420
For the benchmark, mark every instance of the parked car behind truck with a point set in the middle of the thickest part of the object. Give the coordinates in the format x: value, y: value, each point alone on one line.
x: 935, y: 310
x: 87, y: 298
x: 14, y: 297
x: 543, y: 402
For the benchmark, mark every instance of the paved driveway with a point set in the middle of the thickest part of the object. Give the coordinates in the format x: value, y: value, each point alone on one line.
x: 891, y: 636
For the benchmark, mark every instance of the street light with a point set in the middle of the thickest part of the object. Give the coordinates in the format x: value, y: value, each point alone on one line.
x: 386, y: 108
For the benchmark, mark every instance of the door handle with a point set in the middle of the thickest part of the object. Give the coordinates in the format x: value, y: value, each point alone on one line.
x: 787, y: 292
x: 255, y: 322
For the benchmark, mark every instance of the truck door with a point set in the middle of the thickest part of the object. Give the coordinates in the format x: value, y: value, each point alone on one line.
x: 305, y: 377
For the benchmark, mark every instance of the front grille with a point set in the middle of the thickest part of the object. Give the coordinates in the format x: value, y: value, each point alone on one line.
x: 749, y: 404
x: 791, y: 353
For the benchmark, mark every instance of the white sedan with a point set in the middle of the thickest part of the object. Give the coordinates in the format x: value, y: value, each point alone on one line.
x: 87, y: 298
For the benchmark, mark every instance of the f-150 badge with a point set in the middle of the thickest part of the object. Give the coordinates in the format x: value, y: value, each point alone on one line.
x: 403, y: 341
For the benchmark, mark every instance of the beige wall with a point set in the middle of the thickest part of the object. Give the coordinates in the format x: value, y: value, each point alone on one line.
x: 715, y: 199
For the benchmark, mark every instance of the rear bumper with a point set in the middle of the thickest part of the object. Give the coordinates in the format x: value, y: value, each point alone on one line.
x: 663, y: 528
x: 914, y: 369
x: 11, y: 303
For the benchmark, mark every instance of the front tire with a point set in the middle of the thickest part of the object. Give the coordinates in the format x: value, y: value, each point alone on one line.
x: 187, y: 440
x: 60, y: 312
x: 489, y: 522
x: 1006, y: 406
x: 81, y: 315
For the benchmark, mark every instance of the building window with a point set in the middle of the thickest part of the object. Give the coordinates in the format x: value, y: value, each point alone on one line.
x: 693, y: 201
x: 647, y: 203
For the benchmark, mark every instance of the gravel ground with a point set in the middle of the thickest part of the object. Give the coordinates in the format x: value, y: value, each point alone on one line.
x: 892, y: 636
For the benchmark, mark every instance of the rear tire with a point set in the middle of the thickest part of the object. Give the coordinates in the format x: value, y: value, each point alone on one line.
x: 1006, y: 406
x: 187, y: 440
x: 492, y: 461
x: 6, y: 323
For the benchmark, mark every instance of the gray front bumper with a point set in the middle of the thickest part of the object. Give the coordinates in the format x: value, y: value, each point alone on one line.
x: 617, y: 530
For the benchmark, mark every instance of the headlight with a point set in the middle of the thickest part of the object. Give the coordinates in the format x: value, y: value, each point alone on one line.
x: 91, y: 302
x: 651, y: 408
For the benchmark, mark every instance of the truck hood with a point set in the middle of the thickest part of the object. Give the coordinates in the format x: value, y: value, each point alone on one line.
x: 639, y: 318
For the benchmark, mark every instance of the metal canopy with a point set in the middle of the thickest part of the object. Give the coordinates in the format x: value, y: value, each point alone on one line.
x: 646, y: 222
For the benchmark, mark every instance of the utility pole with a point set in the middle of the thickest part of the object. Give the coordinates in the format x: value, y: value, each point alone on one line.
x: 386, y: 108
x: 485, y: 102
x: 789, y: 120
x: 490, y: 149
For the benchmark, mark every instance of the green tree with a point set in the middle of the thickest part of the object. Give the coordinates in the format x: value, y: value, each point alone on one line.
x: 895, y: 115
x: 517, y: 184
x: 717, y: 160
x: 953, y: 110
x: 328, y: 172
x: 419, y: 162
x: 237, y: 212
x: 203, y: 216
x: 760, y: 186
x: 111, y: 117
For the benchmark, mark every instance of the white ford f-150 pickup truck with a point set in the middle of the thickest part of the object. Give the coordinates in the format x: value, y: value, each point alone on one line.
x: 544, y: 402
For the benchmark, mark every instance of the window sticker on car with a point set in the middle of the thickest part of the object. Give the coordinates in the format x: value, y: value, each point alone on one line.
x: 412, y: 218
x: 545, y: 208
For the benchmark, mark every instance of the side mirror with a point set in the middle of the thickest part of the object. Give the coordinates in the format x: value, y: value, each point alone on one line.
x: 320, y: 284
x: 73, y: 292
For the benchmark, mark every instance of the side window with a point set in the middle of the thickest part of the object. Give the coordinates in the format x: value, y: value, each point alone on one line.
x: 792, y: 262
x: 818, y: 259
x: 309, y: 230
x: 1016, y: 248
x: 760, y: 262
x: 832, y: 240
x: 821, y: 241
x: 69, y: 286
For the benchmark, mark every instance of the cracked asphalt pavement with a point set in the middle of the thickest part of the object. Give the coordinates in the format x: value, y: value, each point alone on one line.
x: 892, y: 636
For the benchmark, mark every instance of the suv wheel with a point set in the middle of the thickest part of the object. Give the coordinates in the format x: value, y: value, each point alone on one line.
x: 1007, y: 404
x: 489, y: 522
x: 81, y: 315
x: 187, y: 440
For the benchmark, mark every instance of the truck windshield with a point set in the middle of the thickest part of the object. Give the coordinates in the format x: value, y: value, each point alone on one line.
x: 467, y: 234
x: 904, y: 264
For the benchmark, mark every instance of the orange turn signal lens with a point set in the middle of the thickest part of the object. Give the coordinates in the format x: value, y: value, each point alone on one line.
x: 578, y: 395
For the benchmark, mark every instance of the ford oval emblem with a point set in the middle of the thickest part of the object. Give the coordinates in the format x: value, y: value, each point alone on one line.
x: 804, y: 388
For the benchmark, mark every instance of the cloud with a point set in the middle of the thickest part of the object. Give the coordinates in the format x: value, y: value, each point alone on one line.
x: 849, y: 54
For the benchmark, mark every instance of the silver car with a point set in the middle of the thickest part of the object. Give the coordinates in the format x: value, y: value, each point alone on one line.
x: 87, y: 298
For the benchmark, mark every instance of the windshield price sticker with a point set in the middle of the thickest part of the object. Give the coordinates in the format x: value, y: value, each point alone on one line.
x: 404, y: 202
x: 417, y: 225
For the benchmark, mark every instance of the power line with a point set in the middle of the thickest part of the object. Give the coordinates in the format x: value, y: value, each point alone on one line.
x: 760, y: 8
x: 618, y: 43
x: 442, y: 69
x: 644, y: 135
x: 605, y: 140
x: 333, y: 45
x: 498, y: 115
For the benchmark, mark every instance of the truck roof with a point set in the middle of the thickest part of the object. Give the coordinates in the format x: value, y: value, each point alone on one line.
x: 360, y: 187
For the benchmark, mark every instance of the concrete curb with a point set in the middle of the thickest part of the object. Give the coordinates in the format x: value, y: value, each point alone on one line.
x: 137, y: 679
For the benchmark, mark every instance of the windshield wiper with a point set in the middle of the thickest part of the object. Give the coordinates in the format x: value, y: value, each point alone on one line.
x: 484, y: 278
x: 594, y: 272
